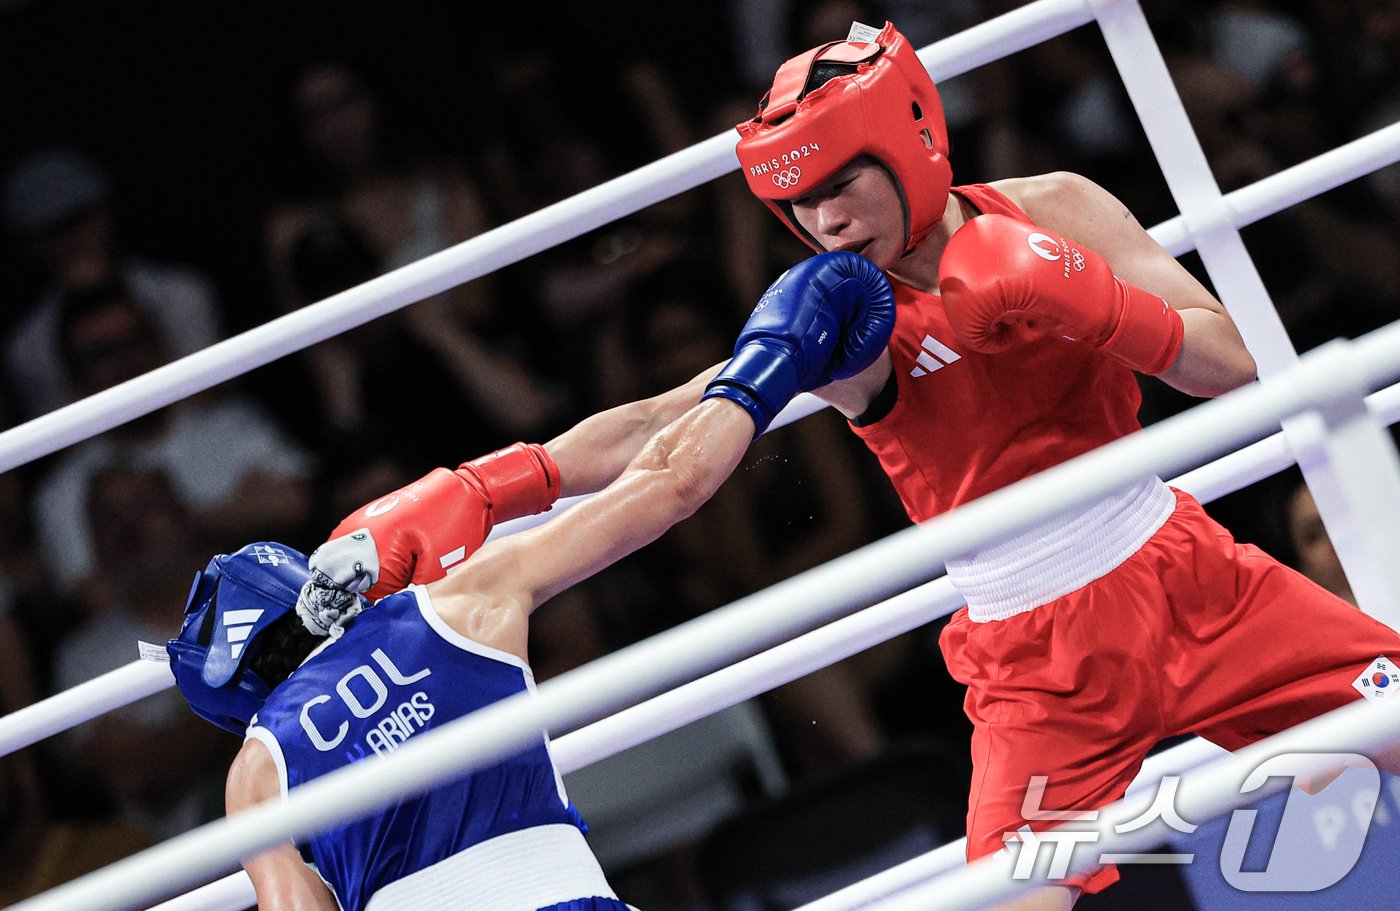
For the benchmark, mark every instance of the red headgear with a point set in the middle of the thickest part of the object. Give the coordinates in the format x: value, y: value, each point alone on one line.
x: 887, y: 108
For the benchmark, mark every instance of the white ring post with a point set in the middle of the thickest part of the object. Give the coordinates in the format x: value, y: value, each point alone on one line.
x: 1358, y: 500
x: 1292, y: 185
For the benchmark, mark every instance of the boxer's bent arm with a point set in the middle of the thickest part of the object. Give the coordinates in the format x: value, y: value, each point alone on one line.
x: 594, y: 452
x: 1213, y: 358
x: 282, y: 880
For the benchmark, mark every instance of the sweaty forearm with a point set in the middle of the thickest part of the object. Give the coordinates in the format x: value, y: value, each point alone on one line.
x: 1213, y: 359
x: 594, y: 452
x: 673, y: 475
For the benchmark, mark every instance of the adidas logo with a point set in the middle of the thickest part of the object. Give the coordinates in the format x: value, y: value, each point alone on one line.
x: 239, y: 624
x: 935, y: 356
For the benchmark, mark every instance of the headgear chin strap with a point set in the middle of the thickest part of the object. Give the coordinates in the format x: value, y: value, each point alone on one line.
x: 232, y: 602
x: 888, y: 108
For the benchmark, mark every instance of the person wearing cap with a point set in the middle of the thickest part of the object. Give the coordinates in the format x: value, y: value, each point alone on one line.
x: 316, y: 681
x: 1024, y: 310
x: 58, y: 205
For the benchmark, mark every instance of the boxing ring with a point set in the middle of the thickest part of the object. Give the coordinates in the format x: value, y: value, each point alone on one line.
x: 1333, y: 428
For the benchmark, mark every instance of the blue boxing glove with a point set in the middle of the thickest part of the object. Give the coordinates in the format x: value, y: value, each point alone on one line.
x: 825, y: 319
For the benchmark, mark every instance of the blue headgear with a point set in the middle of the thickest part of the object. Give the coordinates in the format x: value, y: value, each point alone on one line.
x: 232, y: 601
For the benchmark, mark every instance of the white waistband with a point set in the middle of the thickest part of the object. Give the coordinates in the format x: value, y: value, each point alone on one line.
x: 1060, y: 555
x: 522, y: 871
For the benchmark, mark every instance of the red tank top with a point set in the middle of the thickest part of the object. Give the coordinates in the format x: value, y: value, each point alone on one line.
x: 965, y: 424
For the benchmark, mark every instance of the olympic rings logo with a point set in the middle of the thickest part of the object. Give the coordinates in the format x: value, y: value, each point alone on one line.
x: 788, y: 178
x: 1078, y: 260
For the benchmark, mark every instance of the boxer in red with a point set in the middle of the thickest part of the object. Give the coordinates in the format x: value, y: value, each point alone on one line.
x: 1023, y: 309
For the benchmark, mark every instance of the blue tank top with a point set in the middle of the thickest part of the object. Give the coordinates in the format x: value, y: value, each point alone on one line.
x: 400, y: 669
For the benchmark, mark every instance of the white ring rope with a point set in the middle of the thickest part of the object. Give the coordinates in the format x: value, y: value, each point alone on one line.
x: 341, y: 312
x: 572, y: 217
x: 473, y: 258
x: 144, y: 678
x: 1290, y: 186
x: 1359, y: 505
x: 1330, y: 379
x: 719, y: 690
x: 84, y: 702
x: 139, y: 679
x: 1363, y: 728
x: 1193, y: 754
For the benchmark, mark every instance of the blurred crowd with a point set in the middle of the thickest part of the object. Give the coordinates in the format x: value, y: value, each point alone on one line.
x: 100, y: 540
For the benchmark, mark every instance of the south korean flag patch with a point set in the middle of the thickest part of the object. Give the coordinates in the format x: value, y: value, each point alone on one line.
x: 1380, y: 680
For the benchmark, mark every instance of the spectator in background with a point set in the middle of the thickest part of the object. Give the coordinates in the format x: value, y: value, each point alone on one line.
x: 41, y: 851
x: 145, y: 542
x: 546, y: 149
x: 1312, y: 548
x: 228, y: 464
x: 1377, y: 92
x: 544, y: 145
x: 58, y: 205
x: 1263, y: 45
x: 368, y: 192
x: 27, y: 600
x: 1332, y: 262
x: 401, y: 367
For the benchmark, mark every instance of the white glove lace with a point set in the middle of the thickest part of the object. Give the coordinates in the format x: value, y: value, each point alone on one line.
x: 325, y: 608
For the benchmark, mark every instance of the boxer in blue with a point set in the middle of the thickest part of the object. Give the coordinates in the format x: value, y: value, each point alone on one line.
x: 315, y: 683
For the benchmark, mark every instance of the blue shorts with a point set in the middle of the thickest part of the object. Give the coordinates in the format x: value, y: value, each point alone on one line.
x: 591, y: 904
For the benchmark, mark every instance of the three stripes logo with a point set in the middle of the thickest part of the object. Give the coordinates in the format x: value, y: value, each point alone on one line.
x: 935, y: 356
x: 239, y: 624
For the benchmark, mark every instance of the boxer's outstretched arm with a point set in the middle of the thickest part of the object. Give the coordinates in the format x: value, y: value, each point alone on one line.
x: 672, y: 476
x: 594, y: 452
x: 827, y: 317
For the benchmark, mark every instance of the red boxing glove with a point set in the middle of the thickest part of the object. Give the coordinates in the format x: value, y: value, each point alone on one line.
x: 419, y: 532
x: 1002, y: 279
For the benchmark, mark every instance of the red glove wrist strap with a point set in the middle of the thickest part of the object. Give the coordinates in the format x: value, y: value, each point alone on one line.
x: 1149, y: 332
x: 519, y: 480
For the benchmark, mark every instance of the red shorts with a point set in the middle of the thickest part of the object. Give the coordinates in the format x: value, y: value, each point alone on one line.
x: 1191, y: 634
